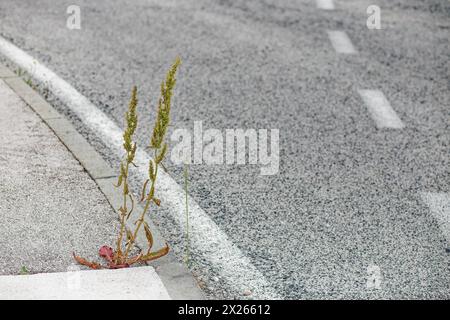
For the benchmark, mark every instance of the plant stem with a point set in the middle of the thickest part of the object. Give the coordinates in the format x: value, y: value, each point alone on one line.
x: 122, y: 219
x: 141, y: 218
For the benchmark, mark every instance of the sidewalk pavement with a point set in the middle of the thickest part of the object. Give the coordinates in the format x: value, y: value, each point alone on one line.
x: 49, y: 208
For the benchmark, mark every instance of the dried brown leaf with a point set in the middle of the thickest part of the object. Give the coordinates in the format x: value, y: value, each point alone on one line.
x: 144, y: 188
x: 155, y: 255
x: 87, y: 263
x: 149, y: 235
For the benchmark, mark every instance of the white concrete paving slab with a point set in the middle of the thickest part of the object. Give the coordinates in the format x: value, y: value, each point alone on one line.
x: 123, y: 284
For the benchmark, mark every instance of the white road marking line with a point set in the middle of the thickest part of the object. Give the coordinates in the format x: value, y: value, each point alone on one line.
x: 380, y: 109
x: 439, y: 204
x: 325, y: 4
x: 206, y: 237
x: 341, y: 42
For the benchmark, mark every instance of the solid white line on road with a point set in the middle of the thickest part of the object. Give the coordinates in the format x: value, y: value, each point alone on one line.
x: 380, y: 109
x: 439, y: 204
x: 341, y: 42
x: 325, y: 4
x: 205, y: 236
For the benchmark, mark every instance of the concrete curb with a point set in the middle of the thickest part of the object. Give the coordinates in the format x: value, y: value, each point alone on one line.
x: 178, y: 281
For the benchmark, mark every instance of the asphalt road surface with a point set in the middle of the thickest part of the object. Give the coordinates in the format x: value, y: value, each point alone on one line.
x: 347, y: 205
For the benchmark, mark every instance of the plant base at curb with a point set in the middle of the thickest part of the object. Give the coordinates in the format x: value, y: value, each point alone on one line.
x: 110, y: 256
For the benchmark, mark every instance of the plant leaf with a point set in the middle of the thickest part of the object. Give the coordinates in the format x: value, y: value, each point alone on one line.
x: 107, y: 253
x: 132, y: 206
x: 134, y: 259
x: 119, y: 182
x: 86, y: 263
x: 144, y: 188
x: 123, y: 210
x: 162, y: 154
x: 155, y: 255
x: 129, y: 235
x: 149, y: 236
x: 151, y: 170
x: 112, y: 265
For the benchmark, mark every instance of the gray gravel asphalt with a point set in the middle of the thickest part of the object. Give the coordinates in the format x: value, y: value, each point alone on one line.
x: 347, y: 194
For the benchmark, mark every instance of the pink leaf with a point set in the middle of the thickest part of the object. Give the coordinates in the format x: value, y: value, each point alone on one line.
x: 106, y: 253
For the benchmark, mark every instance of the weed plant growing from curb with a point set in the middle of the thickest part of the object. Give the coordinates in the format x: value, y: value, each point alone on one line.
x: 26, y: 77
x: 24, y: 271
x: 120, y: 257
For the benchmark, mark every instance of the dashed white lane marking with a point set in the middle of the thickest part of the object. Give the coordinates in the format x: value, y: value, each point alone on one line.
x: 439, y: 204
x: 341, y: 42
x: 325, y: 4
x: 380, y: 109
x: 205, y: 236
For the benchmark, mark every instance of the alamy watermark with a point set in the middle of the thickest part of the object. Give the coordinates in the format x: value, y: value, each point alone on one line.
x: 374, y: 277
x: 233, y: 146
x: 74, y: 19
x: 374, y: 19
